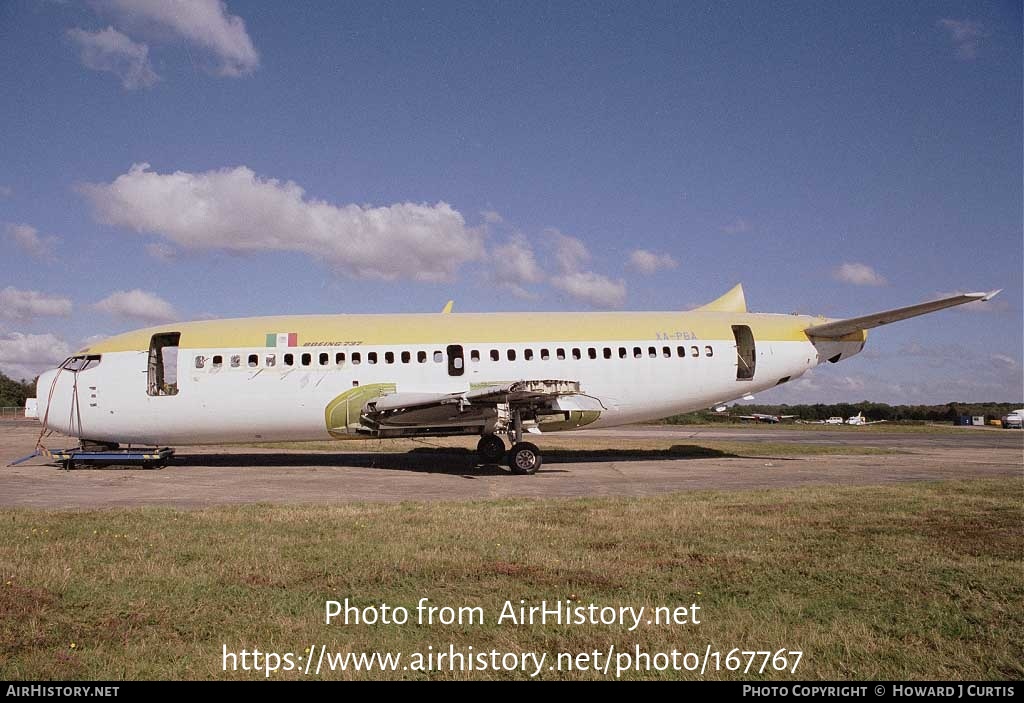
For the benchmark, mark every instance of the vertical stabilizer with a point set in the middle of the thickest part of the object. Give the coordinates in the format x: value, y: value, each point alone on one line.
x: 733, y: 301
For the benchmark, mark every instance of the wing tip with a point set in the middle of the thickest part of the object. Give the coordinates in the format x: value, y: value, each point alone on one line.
x: 988, y: 296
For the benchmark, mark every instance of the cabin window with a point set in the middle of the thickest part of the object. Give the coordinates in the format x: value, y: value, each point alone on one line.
x: 544, y: 355
x: 438, y: 356
x: 623, y: 353
x: 389, y: 357
x: 406, y: 357
x: 307, y: 359
x: 218, y: 361
x: 323, y: 358
x: 339, y: 358
x: 254, y: 360
x: 652, y: 352
x: 592, y: 353
x: 200, y: 362
x: 289, y: 359
x: 694, y: 351
x: 680, y: 352
x: 528, y: 354
x: 474, y: 355
x: 637, y: 352
x: 236, y: 360
x: 371, y: 357
x: 607, y: 353
x: 511, y: 354
x: 495, y: 355
x: 421, y: 357
x: 271, y: 360
x: 560, y: 354
x: 576, y: 353
x: 163, y: 364
x: 356, y: 358
x: 708, y: 351
x: 666, y: 352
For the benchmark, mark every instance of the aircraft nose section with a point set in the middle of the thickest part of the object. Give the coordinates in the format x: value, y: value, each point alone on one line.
x: 43, y: 386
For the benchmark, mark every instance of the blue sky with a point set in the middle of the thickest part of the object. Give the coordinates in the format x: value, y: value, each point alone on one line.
x: 201, y: 159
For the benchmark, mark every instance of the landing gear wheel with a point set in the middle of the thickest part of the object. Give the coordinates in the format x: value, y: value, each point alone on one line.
x: 490, y: 448
x: 524, y: 458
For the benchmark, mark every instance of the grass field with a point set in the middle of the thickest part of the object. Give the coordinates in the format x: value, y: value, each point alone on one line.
x: 913, y: 581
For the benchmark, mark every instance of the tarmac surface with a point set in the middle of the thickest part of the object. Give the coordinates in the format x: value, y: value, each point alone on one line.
x: 207, y: 476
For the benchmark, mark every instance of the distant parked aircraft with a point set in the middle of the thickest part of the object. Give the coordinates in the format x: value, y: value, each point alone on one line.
x: 762, y: 417
x: 859, y: 419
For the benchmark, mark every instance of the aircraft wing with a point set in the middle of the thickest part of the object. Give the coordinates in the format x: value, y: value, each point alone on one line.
x: 513, y: 393
x: 484, y: 408
x: 840, y: 328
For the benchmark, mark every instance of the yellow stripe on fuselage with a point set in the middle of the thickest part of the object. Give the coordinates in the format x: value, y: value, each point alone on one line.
x: 467, y: 328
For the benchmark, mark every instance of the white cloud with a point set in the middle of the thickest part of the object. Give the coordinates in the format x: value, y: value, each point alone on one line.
x: 27, y: 238
x: 648, y: 262
x: 18, y: 304
x: 234, y: 209
x: 737, y: 226
x: 592, y: 288
x: 138, y: 305
x: 203, y: 23
x: 161, y: 251
x: 589, y: 287
x: 1004, y: 362
x: 109, y: 50
x: 570, y: 253
x: 491, y: 217
x: 859, y: 275
x: 515, y: 266
x: 28, y: 355
x: 966, y: 35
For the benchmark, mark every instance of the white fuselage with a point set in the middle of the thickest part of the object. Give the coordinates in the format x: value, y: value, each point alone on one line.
x: 233, y: 401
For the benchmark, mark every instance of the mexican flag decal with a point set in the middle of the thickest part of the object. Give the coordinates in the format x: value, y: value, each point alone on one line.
x: 282, y: 339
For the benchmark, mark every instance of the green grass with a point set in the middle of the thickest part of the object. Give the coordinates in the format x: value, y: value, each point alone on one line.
x: 913, y: 581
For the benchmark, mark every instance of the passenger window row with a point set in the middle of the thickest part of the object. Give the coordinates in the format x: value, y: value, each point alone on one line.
x: 323, y: 359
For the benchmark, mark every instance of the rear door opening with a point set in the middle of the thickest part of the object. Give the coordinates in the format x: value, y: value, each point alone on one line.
x: 746, y: 353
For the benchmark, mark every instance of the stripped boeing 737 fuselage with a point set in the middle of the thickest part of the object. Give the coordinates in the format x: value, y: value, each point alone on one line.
x: 320, y: 377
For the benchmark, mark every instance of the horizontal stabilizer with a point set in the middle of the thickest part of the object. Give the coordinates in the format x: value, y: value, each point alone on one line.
x: 840, y: 328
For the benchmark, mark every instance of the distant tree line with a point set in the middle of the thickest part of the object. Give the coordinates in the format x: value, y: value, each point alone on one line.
x: 872, y: 411
x: 13, y: 393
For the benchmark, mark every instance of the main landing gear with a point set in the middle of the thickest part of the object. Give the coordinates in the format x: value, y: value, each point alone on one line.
x: 491, y: 449
x: 524, y: 458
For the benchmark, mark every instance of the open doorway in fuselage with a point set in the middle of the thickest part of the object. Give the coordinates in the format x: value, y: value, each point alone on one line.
x: 163, y: 364
x: 746, y: 353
